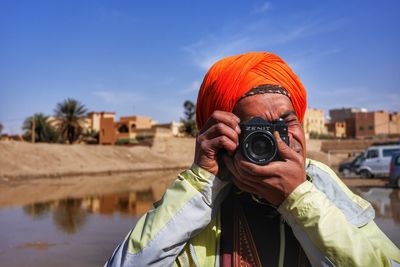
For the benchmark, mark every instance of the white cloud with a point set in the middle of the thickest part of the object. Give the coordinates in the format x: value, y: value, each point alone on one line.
x: 258, y: 35
x: 262, y: 8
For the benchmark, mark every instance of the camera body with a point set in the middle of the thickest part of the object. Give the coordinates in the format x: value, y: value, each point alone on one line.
x: 257, y: 142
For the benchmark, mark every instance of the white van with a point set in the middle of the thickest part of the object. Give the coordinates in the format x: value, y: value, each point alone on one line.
x: 376, y: 160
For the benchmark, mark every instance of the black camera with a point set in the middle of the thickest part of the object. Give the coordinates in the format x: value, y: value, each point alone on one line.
x: 257, y: 141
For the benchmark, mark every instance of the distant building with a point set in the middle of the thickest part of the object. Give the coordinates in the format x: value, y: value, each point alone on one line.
x: 337, y: 129
x: 93, y: 119
x: 346, y: 116
x: 128, y: 128
x: 314, y: 122
x: 341, y: 114
x: 394, y: 123
x: 371, y: 124
x: 172, y: 128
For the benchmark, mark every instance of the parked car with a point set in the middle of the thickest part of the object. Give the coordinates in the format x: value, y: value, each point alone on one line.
x: 346, y: 168
x: 376, y: 160
x: 394, y: 178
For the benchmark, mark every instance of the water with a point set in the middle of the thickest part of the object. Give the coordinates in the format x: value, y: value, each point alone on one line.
x: 85, y: 231
x: 69, y: 232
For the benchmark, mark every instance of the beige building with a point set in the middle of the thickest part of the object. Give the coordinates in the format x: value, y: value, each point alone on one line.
x: 394, y: 123
x: 314, y: 122
x: 128, y: 128
x: 172, y: 128
x: 93, y: 119
x: 374, y: 123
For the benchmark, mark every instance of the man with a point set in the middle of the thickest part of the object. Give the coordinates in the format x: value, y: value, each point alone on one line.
x: 228, y: 211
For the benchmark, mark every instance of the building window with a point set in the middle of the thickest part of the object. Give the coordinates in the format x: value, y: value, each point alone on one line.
x: 123, y: 129
x: 371, y: 127
x: 361, y: 128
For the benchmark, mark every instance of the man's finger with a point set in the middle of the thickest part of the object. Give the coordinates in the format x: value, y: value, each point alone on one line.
x: 220, y: 129
x: 227, y: 118
x: 284, y: 150
x: 255, y: 170
x: 220, y: 142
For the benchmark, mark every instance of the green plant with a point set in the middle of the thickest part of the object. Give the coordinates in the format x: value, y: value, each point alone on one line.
x: 44, y: 131
x: 70, y: 115
x: 91, y: 136
x: 189, y: 124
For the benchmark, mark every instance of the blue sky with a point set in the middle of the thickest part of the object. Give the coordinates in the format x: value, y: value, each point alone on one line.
x: 147, y: 57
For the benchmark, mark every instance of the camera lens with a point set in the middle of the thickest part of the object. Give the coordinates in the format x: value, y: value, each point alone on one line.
x: 260, y: 147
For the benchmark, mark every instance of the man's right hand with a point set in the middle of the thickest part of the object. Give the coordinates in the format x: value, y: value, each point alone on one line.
x: 221, y: 131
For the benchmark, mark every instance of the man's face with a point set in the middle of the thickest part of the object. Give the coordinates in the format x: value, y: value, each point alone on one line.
x: 271, y: 107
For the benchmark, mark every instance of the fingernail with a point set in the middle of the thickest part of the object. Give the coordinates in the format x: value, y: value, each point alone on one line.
x: 237, y: 129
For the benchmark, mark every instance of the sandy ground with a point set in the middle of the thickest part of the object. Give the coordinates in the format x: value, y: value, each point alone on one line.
x: 43, y: 172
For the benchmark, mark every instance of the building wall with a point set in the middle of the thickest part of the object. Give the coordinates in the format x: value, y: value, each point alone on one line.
x: 372, y: 123
x: 337, y: 129
x: 350, y: 127
x: 107, y: 131
x: 314, y: 121
x: 381, y: 122
x: 95, y: 118
x: 347, y: 115
x: 137, y: 122
x: 394, y: 123
x: 364, y: 124
x: 342, y: 114
x: 169, y: 129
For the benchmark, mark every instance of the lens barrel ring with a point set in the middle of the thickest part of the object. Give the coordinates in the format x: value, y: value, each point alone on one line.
x: 270, y: 142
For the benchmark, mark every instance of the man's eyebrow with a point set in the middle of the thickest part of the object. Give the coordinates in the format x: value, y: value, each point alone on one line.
x: 287, y: 114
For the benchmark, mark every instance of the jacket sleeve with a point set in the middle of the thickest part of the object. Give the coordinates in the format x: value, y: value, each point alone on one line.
x: 186, y: 208
x: 328, y: 237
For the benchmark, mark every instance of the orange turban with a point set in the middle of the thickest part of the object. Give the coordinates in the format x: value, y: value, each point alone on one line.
x: 230, y: 78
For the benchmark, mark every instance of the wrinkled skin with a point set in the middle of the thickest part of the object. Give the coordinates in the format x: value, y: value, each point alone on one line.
x: 274, y: 181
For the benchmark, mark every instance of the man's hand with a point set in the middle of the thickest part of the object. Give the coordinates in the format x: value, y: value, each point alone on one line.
x: 221, y: 131
x: 274, y: 181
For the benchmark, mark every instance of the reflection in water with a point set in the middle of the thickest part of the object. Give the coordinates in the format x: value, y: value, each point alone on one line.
x: 69, y: 215
x: 35, y: 235
x: 395, y: 205
x: 386, y: 202
x: 37, y: 210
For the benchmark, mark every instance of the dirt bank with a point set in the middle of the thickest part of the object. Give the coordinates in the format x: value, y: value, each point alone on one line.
x: 21, y: 160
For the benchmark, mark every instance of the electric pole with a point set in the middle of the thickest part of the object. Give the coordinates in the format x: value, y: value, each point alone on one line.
x: 33, y: 129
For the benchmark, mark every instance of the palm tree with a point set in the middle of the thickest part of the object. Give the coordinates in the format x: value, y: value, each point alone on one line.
x: 44, y: 131
x: 70, y: 115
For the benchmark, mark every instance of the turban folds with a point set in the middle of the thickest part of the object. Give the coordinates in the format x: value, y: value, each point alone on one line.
x: 230, y: 78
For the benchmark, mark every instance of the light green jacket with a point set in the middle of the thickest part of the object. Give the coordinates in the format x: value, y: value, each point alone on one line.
x: 334, y: 226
